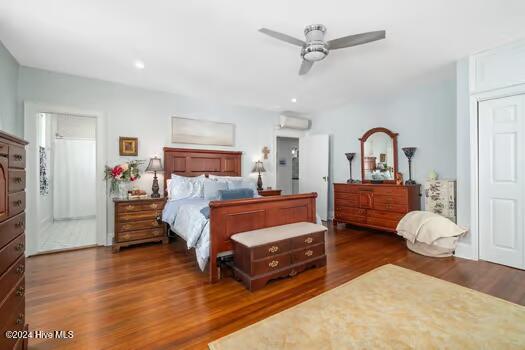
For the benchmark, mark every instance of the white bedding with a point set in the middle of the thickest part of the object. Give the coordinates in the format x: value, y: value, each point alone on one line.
x: 186, y: 220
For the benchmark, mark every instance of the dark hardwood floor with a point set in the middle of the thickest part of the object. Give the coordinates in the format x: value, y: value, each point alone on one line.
x: 154, y: 296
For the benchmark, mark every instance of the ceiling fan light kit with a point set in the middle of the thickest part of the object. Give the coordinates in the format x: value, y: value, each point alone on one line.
x: 315, y: 48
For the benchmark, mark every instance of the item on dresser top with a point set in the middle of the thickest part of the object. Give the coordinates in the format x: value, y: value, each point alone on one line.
x: 440, y: 198
x: 122, y: 173
x: 155, y: 164
x: 429, y: 234
x: 138, y: 221
x: 12, y: 241
x: 259, y: 168
x: 279, y: 251
x: 350, y: 157
x: 432, y: 175
x: 375, y: 206
x: 409, y: 152
x: 399, y: 178
x: 137, y: 194
x: 378, y: 156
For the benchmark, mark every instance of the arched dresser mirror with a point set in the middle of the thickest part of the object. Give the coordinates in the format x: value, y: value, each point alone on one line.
x: 379, y: 156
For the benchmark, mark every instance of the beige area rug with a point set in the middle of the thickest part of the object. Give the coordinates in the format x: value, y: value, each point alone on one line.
x: 389, y: 308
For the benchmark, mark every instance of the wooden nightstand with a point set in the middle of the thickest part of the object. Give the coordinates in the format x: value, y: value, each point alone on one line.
x: 268, y: 193
x: 138, y: 221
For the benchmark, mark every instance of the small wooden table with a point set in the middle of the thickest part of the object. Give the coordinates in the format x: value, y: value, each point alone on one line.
x: 269, y: 192
x: 138, y: 221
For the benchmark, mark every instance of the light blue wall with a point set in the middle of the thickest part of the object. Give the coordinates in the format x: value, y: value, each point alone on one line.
x: 424, y: 115
x: 9, y: 120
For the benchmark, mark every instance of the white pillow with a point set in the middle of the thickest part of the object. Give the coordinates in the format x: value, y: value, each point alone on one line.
x: 211, y: 189
x: 181, y: 187
x: 225, y: 178
x: 245, y: 183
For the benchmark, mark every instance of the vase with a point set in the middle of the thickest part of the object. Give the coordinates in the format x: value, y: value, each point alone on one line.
x: 123, y: 187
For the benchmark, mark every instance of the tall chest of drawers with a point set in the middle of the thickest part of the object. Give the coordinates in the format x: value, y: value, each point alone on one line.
x: 138, y: 221
x: 12, y: 239
x: 378, y: 206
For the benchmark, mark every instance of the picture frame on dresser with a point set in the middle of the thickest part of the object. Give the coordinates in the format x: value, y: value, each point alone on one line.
x: 12, y: 239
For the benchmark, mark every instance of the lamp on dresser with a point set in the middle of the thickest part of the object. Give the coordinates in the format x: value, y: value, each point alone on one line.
x: 155, y: 164
x: 350, y: 157
x: 409, y: 152
x: 259, y: 168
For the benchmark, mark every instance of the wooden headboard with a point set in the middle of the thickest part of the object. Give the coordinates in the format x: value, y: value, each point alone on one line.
x: 195, y: 162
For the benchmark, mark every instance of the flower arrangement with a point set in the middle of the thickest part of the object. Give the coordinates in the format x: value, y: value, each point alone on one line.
x: 125, y: 172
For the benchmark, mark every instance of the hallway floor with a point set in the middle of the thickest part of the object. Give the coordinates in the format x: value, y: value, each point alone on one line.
x: 69, y: 234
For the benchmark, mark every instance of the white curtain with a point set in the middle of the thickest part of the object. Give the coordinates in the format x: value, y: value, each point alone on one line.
x: 74, y: 179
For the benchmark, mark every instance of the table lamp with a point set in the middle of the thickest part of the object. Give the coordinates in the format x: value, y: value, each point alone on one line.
x: 155, y: 164
x: 259, y: 168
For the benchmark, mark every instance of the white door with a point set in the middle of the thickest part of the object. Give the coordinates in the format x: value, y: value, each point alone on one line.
x: 502, y: 180
x: 313, y: 169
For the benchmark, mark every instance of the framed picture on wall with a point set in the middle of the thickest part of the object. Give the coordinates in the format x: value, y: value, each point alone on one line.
x: 128, y: 146
x: 202, y: 132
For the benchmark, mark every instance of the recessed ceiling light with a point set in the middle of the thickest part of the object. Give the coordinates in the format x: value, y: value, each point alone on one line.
x: 294, y: 100
x: 139, y: 64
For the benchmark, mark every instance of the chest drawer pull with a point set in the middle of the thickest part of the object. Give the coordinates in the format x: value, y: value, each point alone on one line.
x: 154, y: 206
x: 273, y: 249
x: 19, y: 247
x: 17, y: 157
x: 17, y: 180
x: 273, y: 263
x: 20, y: 291
x: 126, y: 236
x: 130, y: 207
x: 292, y: 273
x: 308, y: 240
x: 17, y: 203
x: 20, y: 269
x: 20, y: 319
x: 126, y: 227
x: 309, y: 252
x: 19, y: 224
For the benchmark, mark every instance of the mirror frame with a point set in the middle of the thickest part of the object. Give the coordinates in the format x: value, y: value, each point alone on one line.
x: 363, y: 139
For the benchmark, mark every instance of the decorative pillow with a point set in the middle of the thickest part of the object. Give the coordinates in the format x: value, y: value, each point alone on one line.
x: 225, y: 178
x: 181, y: 187
x: 245, y: 183
x: 235, y: 194
x: 211, y: 189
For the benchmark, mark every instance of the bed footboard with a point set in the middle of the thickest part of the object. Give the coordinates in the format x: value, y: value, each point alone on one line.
x: 230, y: 217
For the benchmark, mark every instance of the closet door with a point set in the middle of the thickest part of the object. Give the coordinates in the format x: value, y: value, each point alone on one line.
x: 502, y: 180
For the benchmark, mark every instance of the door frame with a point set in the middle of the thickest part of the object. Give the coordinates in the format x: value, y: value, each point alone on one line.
x: 283, y: 132
x: 31, y: 111
x: 475, y: 99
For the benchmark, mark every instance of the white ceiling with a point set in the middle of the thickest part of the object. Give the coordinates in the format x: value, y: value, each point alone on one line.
x: 212, y: 49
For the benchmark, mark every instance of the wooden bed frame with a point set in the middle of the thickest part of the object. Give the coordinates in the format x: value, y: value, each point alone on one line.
x: 233, y: 216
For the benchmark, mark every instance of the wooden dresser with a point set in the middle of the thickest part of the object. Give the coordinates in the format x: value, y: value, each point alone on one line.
x: 378, y: 206
x: 138, y: 221
x: 279, y: 251
x: 12, y: 239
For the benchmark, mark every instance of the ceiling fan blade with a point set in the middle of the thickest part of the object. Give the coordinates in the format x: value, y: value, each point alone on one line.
x: 283, y: 37
x: 356, y: 39
x: 305, y: 67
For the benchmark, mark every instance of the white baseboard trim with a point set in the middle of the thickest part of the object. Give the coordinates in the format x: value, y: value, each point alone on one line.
x: 464, y: 250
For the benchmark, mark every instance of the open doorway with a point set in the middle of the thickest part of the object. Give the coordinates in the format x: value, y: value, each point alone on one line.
x: 288, y: 164
x: 67, y: 181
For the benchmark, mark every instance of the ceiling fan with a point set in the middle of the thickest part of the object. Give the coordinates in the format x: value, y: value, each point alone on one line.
x: 315, y: 48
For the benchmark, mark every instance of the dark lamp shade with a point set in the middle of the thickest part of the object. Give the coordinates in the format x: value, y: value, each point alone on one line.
x: 155, y: 164
x: 258, y: 167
